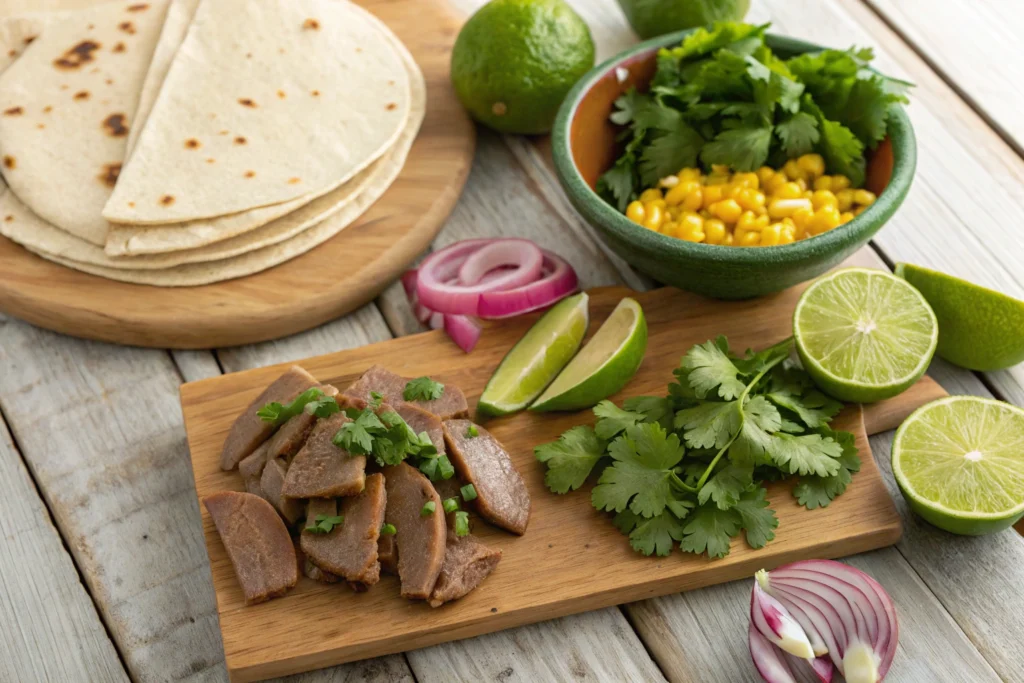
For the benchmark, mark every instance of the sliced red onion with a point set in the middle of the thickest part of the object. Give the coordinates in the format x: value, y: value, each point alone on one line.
x: 558, y: 282
x: 776, y: 666
x: 463, y: 330
x: 839, y: 608
x: 773, y: 621
x: 496, y: 257
x: 438, y: 293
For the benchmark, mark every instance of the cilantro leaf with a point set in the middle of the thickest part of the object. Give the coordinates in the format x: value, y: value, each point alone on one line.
x: 277, y: 414
x: 654, y: 409
x: 570, y: 459
x: 759, y: 520
x: 813, y: 408
x: 655, y: 536
x: 619, y: 182
x: 805, y: 454
x: 798, y: 134
x: 722, y: 34
x: 760, y: 421
x: 626, y: 106
x: 423, y: 389
x: 815, y: 491
x: 708, y: 366
x: 744, y: 148
x: 727, y: 486
x: 612, y: 420
x: 709, y: 529
x: 708, y: 425
x: 669, y: 152
x: 357, y: 436
x: 641, y: 475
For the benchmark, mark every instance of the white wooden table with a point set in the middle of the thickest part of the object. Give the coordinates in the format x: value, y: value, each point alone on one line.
x: 103, y: 571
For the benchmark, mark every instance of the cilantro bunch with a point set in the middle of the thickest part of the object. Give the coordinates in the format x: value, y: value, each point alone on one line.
x: 723, y: 97
x: 689, y: 468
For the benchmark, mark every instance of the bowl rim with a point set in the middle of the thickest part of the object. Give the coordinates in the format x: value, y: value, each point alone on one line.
x: 610, y: 219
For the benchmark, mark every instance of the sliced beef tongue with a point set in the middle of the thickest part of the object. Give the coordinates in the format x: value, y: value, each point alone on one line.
x: 271, y: 483
x: 452, y: 402
x: 387, y: 554
x: 251, y: 469
x: 502, y: 498
x: 467, y: 562
x: 257, y: 543
x: 249, y: 431
x: 349, y: 550
x: 422, y: 421
x: 322, y: 470
x: 420, y: 537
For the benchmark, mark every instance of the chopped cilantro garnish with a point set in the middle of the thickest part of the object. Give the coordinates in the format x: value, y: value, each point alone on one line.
x: 386, y: 437
x: 468, y: 492
x: 461, y: 523
x: 428, y: 509
x: 422, y: 389
x: 388, y: 530
x: 689, y: 469
x: 450, y: 504
x: 323, y: 524
x: 472, y: 432
x: 375, y: 400
x: 312, y: 401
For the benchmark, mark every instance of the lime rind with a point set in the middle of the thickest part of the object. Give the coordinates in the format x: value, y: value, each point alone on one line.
x: 965, y: 446
x: 537, y: 358
x: 864, y: 334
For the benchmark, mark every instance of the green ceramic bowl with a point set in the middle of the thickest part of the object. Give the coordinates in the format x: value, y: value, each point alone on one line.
x: 584, y: 147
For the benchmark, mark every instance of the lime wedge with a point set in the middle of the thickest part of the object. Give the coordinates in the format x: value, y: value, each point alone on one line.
x: 864, y: 335
x: 979, y: 328
x: 605, y: 364
x: 959, y: 462
x: 537, y: 358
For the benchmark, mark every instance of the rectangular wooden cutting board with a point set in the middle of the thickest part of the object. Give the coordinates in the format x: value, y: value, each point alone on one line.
x: 571, y: 559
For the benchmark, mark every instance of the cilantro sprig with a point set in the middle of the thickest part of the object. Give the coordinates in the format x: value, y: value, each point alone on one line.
x: 423, y: 389
x: 389, y: 439
x: 688, y: 469
x: 723, y: 97
x: 312, y: 401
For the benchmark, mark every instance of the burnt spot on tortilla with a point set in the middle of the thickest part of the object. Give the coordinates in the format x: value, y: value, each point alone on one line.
x: 210, y: 160
x: 14, y: 111
x: 47, y: 109
x: 391, y: 106
x: 131, y: 205
x: 40, y: 126
x: 240, y: 140
x: 192, y: 143
x: 12, y: 53
x: 250, y: 174
x: 118, y: 47
x: 108, y: 176
x: 223, y: 132
x: 10, y: 162
x: 294, y: 181
x: 391, y: 82
x: 311, y: 24
x: 359, y: 49
x: 82, y: 95
x: 8, y: 218
x: 128, y: 27
x: 140, y: 7
x: 109, y: 81
x: 280, y: 50
x: 314, y: 93
x: 80, y: 54
x: 64, y: 86
x: 167, y: 199
x: 115, y: 125
x: 29, y: 39
x: 280, y: 93
x: 91, y: 26
x: 246, y: 102
x: 248, y: 55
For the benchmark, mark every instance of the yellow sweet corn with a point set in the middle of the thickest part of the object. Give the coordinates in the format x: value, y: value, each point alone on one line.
x: 792, y: 170
x: 840, y: 182
x: 727, y: 210
x: 822, y: 198
x: 764, y: 174
x: 648, y: 195
x: 635, y: 212
x: 749, y: 239
x: 678, y: 193
x: 789, y: 190
x: 690, y: 227
x: 823, y: 183
x: 823, y: 220
x: 729, y: 240
x: 813, y: 165
x: 771, y: 235
x: 749, y: 199
x: 714, y: 231
x: 845, y: 217
x: 780, y: 208
x: 712, y: 194
x: 655, y: 214
x: 788, y: 234
x: 669, y: 181
x: 863, y: 197
x: 748, y: 180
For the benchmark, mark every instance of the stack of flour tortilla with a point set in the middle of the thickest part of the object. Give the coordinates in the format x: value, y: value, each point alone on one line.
x: 184, y: 142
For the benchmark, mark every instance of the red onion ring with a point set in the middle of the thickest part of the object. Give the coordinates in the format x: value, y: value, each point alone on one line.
x: 432, y: 282
x: 558, y: 282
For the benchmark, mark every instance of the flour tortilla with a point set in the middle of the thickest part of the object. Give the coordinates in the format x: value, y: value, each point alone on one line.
x: 280, y: 78
x: 132, y: 240
x: 22, y: 226
x: 84, y: 100
x: 18, y: 32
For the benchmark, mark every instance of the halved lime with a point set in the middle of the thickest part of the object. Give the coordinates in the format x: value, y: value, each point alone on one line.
x: 979, y: 328
x: 605, y: 364
x: 959, y: 462
x: 537, y: 358
x: 864, y: 335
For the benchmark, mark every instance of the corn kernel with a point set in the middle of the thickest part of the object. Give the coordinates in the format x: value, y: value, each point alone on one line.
x: 864, y: 197
x: 669, y: 227
x: 748, y: 180
x: 648, y: 195
x: 712, y: 194
x: 780, y: 208
x: 792, y: 170
x: 749, y: 239
x: 694, y: 200
x: 678, y: 193
x: 750, y: 222
x: 655, y: 215
x: 788, y: 235
x: 674, y: 212
x: 716, y: 179
x: 801, y: 219
x: 823, y: 183
x: 859, y: 210
x: 635, y: 212
x: 840, y: 182
x: 729, y: 240
x: 764, y: 173
x: 691, y: 227
x: 727, y: 210
x: 772, y: 185
x: 824, y: 220
x: 844, y: 199
x: 822, y: 198
x: 749, y: 199
x: 771, y: 235
x: 790, y: 190
x: 802, y: 184
x: 845, y: 217
x: 689, y: 174
x: 812, y: 164
x: 714, y: 231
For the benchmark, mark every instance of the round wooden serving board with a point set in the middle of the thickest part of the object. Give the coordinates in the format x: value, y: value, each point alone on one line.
x: 337, y: 277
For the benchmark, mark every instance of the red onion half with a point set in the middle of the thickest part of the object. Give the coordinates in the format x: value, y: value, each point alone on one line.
x: 835, y: 609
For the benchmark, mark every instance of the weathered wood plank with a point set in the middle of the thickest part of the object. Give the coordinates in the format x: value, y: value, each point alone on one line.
x: 44, y: 607
x: 975, y: 45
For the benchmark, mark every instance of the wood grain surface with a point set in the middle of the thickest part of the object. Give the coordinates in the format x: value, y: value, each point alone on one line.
x: 288, y: 634
x: 335, y: 278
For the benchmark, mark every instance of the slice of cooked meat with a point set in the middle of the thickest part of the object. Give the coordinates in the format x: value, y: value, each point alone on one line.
x: 251, y: 469
x: 392, y: 387
x: 271, y: 483
x: 422, y: 421
x: 467, y: 562
x: 290, y: 437
x: 314, y: 572
x: 322, y: 470
x: 257, y: 543
x: 249, y: 431
x: 501, y: 495
x: 420, y: 538
x: 387, y: 554
x: 349, y: 549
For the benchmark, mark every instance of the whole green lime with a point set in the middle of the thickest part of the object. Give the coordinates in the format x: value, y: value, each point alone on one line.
x: 515, y: 60
x: 651, y: 18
